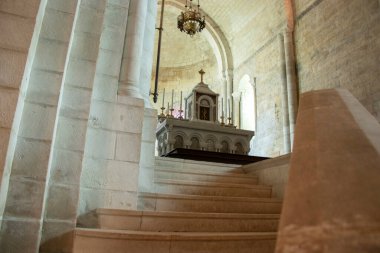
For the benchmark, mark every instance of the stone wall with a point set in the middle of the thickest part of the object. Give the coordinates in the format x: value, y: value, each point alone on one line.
x: 338, y: 45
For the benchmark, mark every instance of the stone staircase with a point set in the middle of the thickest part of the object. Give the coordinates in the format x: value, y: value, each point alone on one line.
x: 196, y: 207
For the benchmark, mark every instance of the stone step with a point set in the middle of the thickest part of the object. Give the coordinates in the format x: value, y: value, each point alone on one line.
x: 207, y: 204
x: 189, y: 175
x: 211, y: 189
x: 186, y: 222
x: 179, y: 164
x: 119, y: 241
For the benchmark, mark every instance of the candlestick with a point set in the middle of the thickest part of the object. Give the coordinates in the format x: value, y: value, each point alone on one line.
x: 167, y: 111
x: 172, y: 98
x: 228, y: 107
x: 222, y: 109
x: 163, y: 99
x: 180, y: 105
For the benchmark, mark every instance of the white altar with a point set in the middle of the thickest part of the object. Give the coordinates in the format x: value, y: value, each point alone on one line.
x: 201, y: 129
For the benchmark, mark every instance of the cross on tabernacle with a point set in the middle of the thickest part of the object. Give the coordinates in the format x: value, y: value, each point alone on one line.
x: 201, y: 72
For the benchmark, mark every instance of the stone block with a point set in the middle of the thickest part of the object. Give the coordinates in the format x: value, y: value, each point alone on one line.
x: 24, y: 198
x: 66, y: 167
x: 8, y: 102
x: 92, y: 199
x: 100, y: 144
x: 19, y: 236
x: 115, y: 17
x: 27, y: 9
x: 112, y: 40
x: 124, y: 3
x: 51, y: 55
x: 110, y: 175
x: 85, y: 46
x: 80, y: 73
x: 12, y: 64
x: 75, y: 102
x: 109, y: 63
x: 68, y: 6
x: 44, y: 87
x: 38, y: 121
x: 128, y: 147
x: 105, y: 88
x: 62, y: 202
x: 4, y: 140
x: 95, y: 4
x: 117, y: 117
x: 71, y: 134
x: 57, y: 25
x: 57, y: 236
x: 19, y: 40
x: 89, y: 21
x: 31, y: 159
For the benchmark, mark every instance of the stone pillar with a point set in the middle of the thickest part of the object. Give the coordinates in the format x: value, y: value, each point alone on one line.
x: 36, y: 114
x: 147, y: 53
x: 291, y: 81
x: 147, y: 160
x: 134, y: 38
x: 230, y: 84
x: 284, y: 99
x: 236, y: 96
x: 65, y: 165
x: 331, y: 201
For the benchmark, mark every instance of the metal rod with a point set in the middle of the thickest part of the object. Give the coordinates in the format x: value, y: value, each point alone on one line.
x: 155, y: 94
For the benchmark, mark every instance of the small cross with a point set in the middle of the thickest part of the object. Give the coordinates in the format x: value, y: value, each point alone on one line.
x: 201, y: 72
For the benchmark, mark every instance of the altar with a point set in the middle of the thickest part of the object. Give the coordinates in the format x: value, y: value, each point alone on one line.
x: 201, y: 129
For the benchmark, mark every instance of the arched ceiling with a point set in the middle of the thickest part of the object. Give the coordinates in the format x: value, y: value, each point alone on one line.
x: 179, y: 49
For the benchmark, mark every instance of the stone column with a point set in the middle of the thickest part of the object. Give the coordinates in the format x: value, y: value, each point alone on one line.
x: 331, y: 202
x: 230, y: 80
x: 284, y: 100
x: 147, y: 53
x: 291, y: 81
x: 131, y: 63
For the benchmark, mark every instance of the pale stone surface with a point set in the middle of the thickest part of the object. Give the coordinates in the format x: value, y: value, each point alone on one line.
x: 110, y: 175
x: 100, y: 143
x: 51, y: 55
x: 62, y: 202
x: 20, y: 7
x: 24, y: 198
x: 13, y: 230
x: 80, y: 73
x: 128, y: 147
x: 64, y: 167
x: 10, y: 23
x: 31, y: 159
x: 57, y: 237
x: 53, y: 19
x: 44, y: 87
x: 8, y: 101
x: 12, y: 63
x: 75, y: 102
x: 71, y: 135
x: 273, y: 172
x: 40, y: 120
x: 332, y: 199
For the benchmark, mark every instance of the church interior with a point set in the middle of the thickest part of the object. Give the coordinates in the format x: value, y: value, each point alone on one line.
x: 177, y: 126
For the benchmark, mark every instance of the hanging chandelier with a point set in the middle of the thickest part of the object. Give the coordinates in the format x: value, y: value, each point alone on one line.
x: 191, y: 21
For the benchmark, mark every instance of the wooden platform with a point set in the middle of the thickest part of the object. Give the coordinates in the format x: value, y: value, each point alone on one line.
x: 200, y: 155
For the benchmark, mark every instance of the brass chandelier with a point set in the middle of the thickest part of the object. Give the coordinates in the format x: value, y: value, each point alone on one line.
x: 191, y: 21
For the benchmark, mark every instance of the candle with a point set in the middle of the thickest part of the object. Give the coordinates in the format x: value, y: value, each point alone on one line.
x: 180, y: 105
x: 163, y: 99
x: 172, y: 98
x: 222, y: 109
x: 167, y: 110
x: 228, y: 107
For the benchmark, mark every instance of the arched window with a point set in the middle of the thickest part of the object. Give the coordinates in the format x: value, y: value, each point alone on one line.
x: 239, y: 149
x: 194, y: 143
x: 204, y: 110
x: 210, y: 145
x: 178, y: 142
x: 225, y: 147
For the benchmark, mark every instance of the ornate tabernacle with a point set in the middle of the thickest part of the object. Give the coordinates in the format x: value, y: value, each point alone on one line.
x: 201, y: 129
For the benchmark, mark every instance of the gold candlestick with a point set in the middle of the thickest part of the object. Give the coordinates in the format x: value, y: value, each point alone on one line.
x: 180, y: 114
x: 222, y: 120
